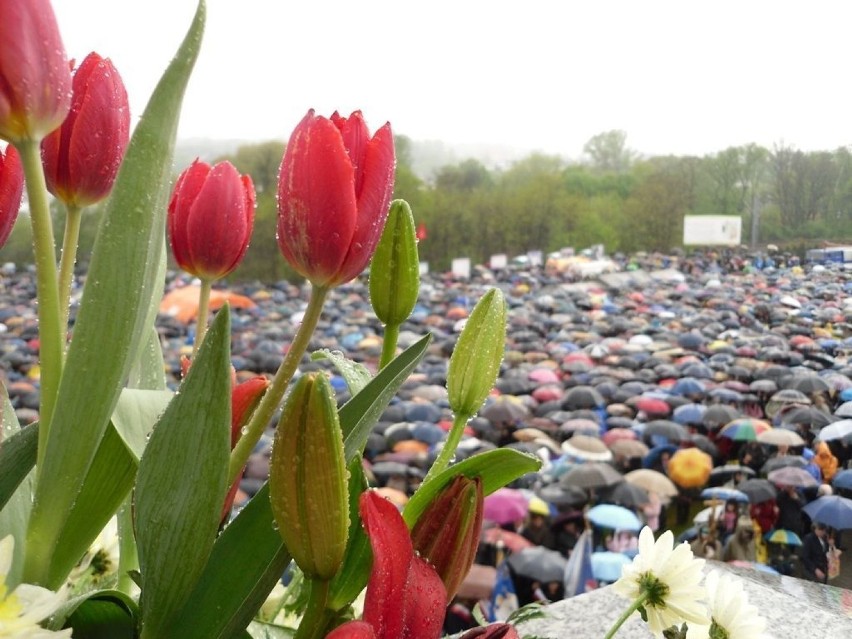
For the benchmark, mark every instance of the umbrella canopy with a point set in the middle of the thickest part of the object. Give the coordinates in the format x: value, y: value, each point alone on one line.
x: 843, y: 479
x: 498, y: 536
x: 505, y: 506
x: 505, y: 409
x: 783, y: 461
x: 689, y: 414
x: 606, y: 566
x: 586, y: 448
x: 591, y: 475
x: 614, y: 517
x: 783, y: 536
x: 744, y: 429
x: 653, y: 406
x: 837, y: 430
x: 718, y: 415
x: 780, y: 437
x: 672, y: 431
x: 583, y: 397
x: 807, y: 384
x: 792, y: 476
x: 652, y: 481
x: 758, y: 490
x: 561, y: 495
x: 725, y: 494
x: 479, y: 582
x: 690, y: 467
x: 539, y: 563
x: 703, y: 516
x: 831, y: 510
x: 628, y: 448
x: 614, y: 434
x: 625, y: 494
x: 808, y: 415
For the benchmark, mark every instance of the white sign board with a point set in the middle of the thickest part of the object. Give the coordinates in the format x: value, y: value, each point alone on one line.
x: 712, y: 230
x: 500, y: 260
x: 536, y: 258
x: 461, y: 267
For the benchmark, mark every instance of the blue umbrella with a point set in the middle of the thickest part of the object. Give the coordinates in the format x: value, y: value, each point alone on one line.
x: 606, y: 566
x: 725, y: 494
x: 615, y: 517
x: 688, y: 386
x: 654, y: 454
x: 689, y: 414
x: 831, y: 510
x: 843, y: 479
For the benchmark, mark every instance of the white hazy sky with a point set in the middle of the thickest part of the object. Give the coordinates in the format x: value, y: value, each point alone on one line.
x: 681, y: 77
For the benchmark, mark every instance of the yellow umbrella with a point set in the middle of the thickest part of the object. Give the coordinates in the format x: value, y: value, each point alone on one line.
x: 690, y: 467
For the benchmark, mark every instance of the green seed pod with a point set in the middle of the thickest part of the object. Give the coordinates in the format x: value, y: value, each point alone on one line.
x: 307, y: 478
x: 476, y: 358
x: 395, y: 269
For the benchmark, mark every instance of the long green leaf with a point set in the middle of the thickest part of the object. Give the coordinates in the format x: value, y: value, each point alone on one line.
x: 121, y: 287
x: 182, y: 483
x: 355, y: 374
x: 230, y: 598
x: 103, y: 614
x: 15, y: 514
x: 497, y: 468
x: 17, y: 458
x: 135, y: 415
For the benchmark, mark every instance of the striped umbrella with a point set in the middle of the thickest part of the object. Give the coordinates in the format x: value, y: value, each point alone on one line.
x: 744, y: 429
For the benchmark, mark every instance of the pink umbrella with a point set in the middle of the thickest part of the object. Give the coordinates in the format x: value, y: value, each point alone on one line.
x: 543, y: 376
x: 505, y: 506
x: 614, y: 434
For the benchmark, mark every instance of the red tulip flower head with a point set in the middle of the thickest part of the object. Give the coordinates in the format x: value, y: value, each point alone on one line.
x: 405, y: 596
x: 81, y: 158
x: 211, y: 215
x: 35, y: 81
x: 11, y: 190
x: 334, y: 191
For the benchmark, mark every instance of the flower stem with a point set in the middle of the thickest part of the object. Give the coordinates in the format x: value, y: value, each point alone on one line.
x: 641, y: 599
x: 272, y: 398
x: 203, y: 312
x: 68, y: 259
x: 51, y: 335
x: 317, y: 616
x: 389, y: 344
x: 128, y: 558
x: 449, y: 449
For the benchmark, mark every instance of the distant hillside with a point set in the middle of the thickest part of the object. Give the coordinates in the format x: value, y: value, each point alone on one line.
x: 428, y: 156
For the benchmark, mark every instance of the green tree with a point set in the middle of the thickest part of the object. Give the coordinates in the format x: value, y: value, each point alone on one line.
x: 608, y: 152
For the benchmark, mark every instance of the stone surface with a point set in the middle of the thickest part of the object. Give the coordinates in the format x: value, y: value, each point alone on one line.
x: 793, y: 608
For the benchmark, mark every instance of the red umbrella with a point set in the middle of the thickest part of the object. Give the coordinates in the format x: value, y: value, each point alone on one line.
x: 653, y: 406
x: 510, y: 540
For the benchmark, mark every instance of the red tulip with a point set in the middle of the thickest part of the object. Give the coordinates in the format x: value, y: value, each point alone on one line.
x: 81, y: 158
x: 211, y: 215
x: 11, y: 191
x: 35, y: 82
x: 334, y: 192
x: 405, y: 596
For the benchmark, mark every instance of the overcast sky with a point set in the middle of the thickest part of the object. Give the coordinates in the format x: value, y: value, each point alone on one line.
x: 681, y: 77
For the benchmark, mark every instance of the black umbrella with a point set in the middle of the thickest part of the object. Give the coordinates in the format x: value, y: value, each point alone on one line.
x: 562, y: 495
x: 505, y: 410
x: 583, y: 397
x: 719, y: 415
x: 591, y: 475
x: 665, y: 428
x: 625, y: 494
x: 758, y: 490
x: 807, y: 415
x: 539, y: 563
x: 783, y: 461
x: 807, y: 384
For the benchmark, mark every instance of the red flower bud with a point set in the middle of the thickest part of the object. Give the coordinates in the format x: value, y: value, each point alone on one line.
x: 494, y: 631
x: 211, y: 215
x: 11, y: 191
x: 334, y: 192
x: 35, y: 82
x: 81, y: 158
x: 447, y: 533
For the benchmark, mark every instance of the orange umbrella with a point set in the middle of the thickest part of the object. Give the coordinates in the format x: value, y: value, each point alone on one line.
x: 183, y: 302
x: 690, y: 467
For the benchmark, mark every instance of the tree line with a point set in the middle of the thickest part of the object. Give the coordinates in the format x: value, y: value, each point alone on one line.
x: 612, y: 197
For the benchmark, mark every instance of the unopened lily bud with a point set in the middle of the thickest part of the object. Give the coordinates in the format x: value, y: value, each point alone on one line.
x: 475, y: 361
x: 395, y: 269
x: 307, y: 478
x: 447, y: 533
x: 493, y: 631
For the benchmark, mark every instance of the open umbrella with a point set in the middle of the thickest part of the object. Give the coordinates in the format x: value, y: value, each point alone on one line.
x: 843, y: 479
x: 729, y: 470
x: 783, y: 461
x: 792, y: 476
x: 613, y: 516
x: 780, y: 437
x: 652, y: 481
x: 561, y: 495
x: 615, y: 434
x: 628, y: 448
x: 718, y: 415
x: 744, y: 429
x: 758, y: 490
x: 724, y: 494
x: 807, y: 384
x: 831, y: 510
x: 586, y: 448
x: 591, y: 475
x: 479, y: 583
x: 689, y: 414
x: 607, y: 566
x: 653, y: 406
x: 583, y: 397
x: 808, y: 415
x: 498, y: 536
x: 625, y: 494
x: 505, y: 409
x: 783, y: 536
x: 672, y: 431
x: 505, y: 506
x: 837, y: 430
x: 703, y: 516
x: 690, y: 467
x: 539, y: 563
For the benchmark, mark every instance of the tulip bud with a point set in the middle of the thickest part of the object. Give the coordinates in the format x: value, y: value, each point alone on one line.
x: 35, y: 82
x: 476, y: 358
x: 307, y: 478
x: 447, y: 533
x: 395, y: 269
x: 81, y: 158
x: 11, y: 191
x: 211, y: 215
x: 334, y: 188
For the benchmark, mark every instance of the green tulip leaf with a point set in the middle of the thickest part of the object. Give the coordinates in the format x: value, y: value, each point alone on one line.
x: 122, y: 286
x: 135, y: 415
x: 182, y: 482
x: 147, y: 372
x: 17, y: 458
x: 103, y: 614
x: 497, y: 468
x: 356, y: 375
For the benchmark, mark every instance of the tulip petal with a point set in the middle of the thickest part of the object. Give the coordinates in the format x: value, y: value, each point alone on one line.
x: 352, y: 630
x: 11, y: 190
x: 185, y: 192
x: 356, y: 137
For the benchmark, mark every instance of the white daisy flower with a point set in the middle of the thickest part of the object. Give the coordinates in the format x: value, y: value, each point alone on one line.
x: 732, y: 617
x: 22, y: 608
x: 667, y: 579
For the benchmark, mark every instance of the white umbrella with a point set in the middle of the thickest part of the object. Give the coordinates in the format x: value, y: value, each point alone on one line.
x: 837, y: 430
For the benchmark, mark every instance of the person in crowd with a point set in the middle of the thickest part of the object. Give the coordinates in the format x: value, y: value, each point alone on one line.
x: 765, y: 513
x: 705, y: 545
x: 740, y: 547
x: 536, y: 526
x: 814, y: 554
x: 789, y: 510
